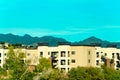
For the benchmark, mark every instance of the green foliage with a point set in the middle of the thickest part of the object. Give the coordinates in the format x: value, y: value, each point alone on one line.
x: 53, y: 74
x: 14, y: 64
x: 28, y: 76
x: 90, y: 73
x: 16, y: 69
x: 111, y: 74
x: 95, y: 73
x: 78, y: 73
x: 22, y: 55
x: 44, y: 64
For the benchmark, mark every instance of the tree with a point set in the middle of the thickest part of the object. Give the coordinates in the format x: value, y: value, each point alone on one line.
x: 14, y: 64
x: 95, y: 73
x: 78, y: 73
x: 51, y: 75
x: 44, y: 64
x: 111, y: 74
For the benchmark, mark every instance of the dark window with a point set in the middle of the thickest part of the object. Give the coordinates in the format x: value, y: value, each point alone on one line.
x: 88, y: 52
x: 97, y: 54
x: 0, y: 54
x: 118, y: 64
x: 5, y: 54
x: 48, y: 53
x: 73, y: 53
x: 0, y: 61
x: 62, y: 53
x: 97, y: 62
x: 113, y: 55
x: 41, y: 54
x: 105, y: 54
x: 54, y: 54
x: 63, y: 69
x: 62, y: 62
x: 73, y: 60
x: 28, y: 54
x: 68, y: 62
x: 88, y: 60
x: 68, y: 69
x: 118, y: 56
x: 68, y: 53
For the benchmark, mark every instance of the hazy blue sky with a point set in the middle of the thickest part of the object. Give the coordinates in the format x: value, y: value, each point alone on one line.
x: 73, y: 20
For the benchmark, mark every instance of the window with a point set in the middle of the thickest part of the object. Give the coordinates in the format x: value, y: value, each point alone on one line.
x: 73, y: 53
x: 68, y: 53
x: 5, y: 54
x: 118, y: 57
x: 68, y: 69
x: 0, y: 54
x: 54, y: 54
x: 73, y: 60
x: 28, y: 54
x: 0, y: 61
x: 113, y: 55
x: 105, y: 54
x: 63, y: 69
x: 97, y: 62
x: 97, y: 54
x: 41, y: 54
x: 68, y: 62
x: 88, y: 52
x: 62, y: 53
x: 48, y: 53
x: 118, y: 64
x: 62, y: 62
x: 88, y: 60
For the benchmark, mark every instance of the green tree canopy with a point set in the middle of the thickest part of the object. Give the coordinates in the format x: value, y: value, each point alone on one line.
x: 44, y: 64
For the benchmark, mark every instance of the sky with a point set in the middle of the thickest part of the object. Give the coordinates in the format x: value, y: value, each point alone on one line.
x: 73, y: 20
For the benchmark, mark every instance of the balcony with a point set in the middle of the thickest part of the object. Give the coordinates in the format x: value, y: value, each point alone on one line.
x: 54, y: 55
x: 55, y: 63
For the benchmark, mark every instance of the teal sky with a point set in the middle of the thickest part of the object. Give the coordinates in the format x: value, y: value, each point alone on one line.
x: 73, y: 20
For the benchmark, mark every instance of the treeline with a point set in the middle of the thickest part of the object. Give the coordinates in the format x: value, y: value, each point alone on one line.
x: 90, y: 73
x: 16, y: 68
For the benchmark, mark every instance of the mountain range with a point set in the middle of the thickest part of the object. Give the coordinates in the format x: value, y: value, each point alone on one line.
x: 27, y: 40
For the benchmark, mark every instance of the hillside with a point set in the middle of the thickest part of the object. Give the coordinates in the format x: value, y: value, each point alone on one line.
x: 27, y: 39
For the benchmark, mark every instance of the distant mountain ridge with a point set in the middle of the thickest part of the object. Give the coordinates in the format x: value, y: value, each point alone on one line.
x: 27, y: 40
x: 93, y: 41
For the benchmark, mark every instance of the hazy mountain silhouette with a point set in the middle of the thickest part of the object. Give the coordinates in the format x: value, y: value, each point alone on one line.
x: 27, y: 39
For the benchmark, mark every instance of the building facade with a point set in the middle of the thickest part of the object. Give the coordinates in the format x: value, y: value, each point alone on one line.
x: 65, y: 57
x: 60, y: 56
x: 1, y: 57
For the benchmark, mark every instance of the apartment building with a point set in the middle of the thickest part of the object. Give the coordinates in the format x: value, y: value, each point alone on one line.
x: 1, y: 57
x: 59, y: 55
x: 108, y: 56
x: 32, y: 56
x: 83, y: 56
x: 65, y: 56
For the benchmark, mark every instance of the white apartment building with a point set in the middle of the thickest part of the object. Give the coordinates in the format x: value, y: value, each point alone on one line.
x: 109, y: 56
x: 1, y: 57
x: 60, y: 56
x: 65, y: 57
